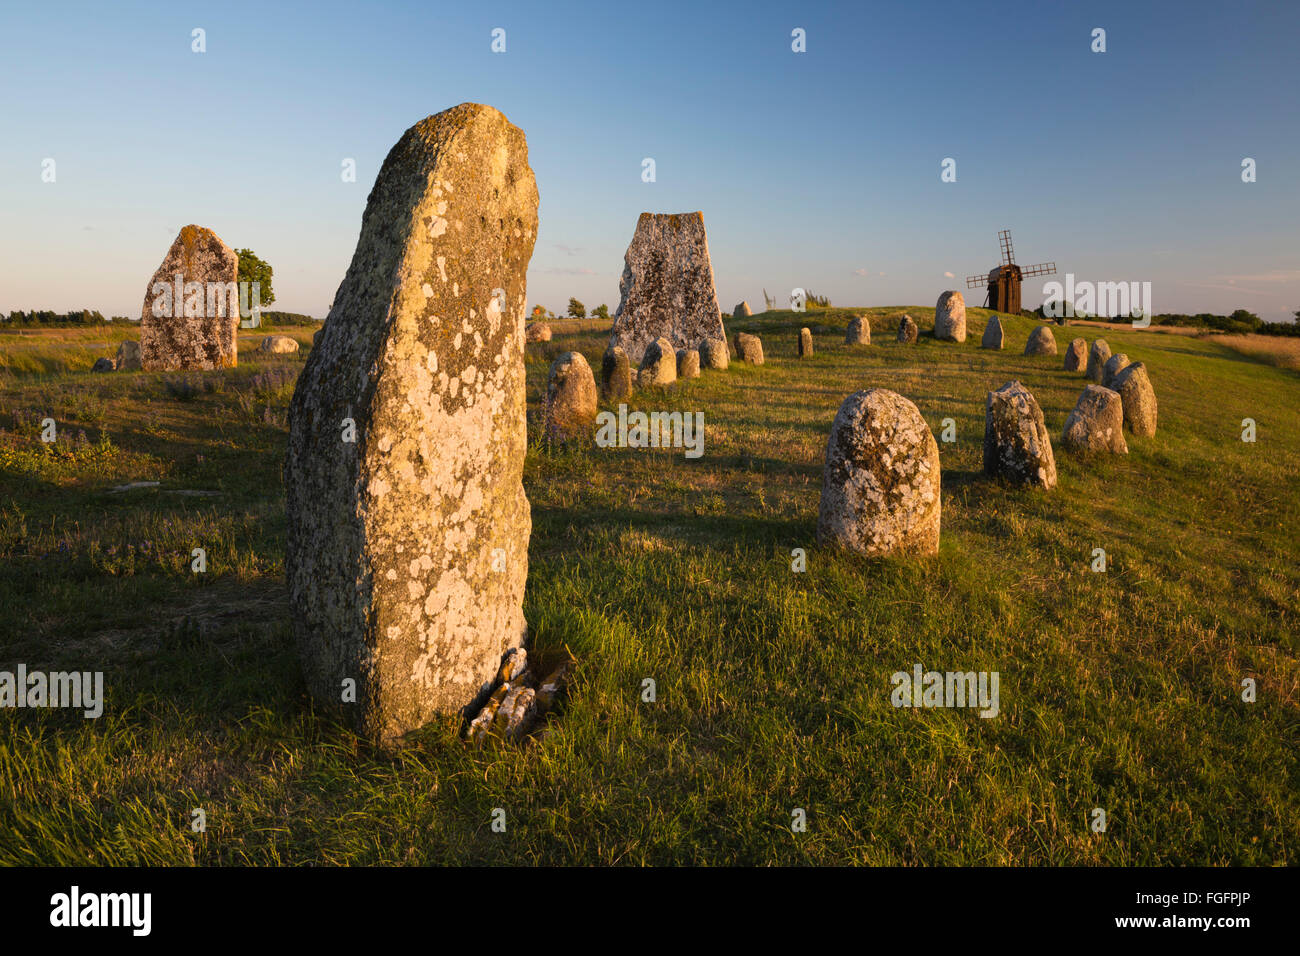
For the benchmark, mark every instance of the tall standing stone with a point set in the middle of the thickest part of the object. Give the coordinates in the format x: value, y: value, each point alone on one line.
x: 858, y: 331
x: 1016, y: 444
x: 1097, y: 358
x: 615, y: 374
x: 805, y: 342
x: 407, y: 545
x: 667, y: 286
x: 569, y: 413
x: 742, y: 311
x: 950, y: 317
x: 993, y: 337
x: 907, y: 330
x: 880, y: 487
x: 190, y: 315
x: 1076, y: 356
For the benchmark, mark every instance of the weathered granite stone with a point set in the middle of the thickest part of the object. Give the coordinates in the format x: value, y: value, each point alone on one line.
x: 1041, y: 341
x: 805, y: 342
x: 742, y: 311
x: 615, y: 374
x: 1097, y: 358
x: 569, y: 412
x: 193, y: 325
x: 407, y: 544
x: 128, y: 356
x: 1016, y: 444
x: 1114, y: 365
x: 537, y: 332
x: 950, y: 317
x: 1139, y: 398
x: 907, y: 330
x: 992, y: 338
x: 714, y: 353
x: 880, y: 487
x: 858, y: 331
x: 667, y: 286
x: 1097, y: 422
x: 1076, y: 356
x: 749, y: 348
x: 278, y: 344
x: 658, y: 365
x: 103, y: 365
x: 688, y: 363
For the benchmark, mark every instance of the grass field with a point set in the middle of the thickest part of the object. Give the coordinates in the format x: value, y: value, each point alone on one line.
x: 1119, y: 690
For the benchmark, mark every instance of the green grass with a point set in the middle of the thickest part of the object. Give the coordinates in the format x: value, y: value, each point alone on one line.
x: 1118, y: 690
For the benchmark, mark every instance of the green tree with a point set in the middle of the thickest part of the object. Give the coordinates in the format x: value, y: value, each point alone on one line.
x: 254, y: 269
x: 600, y: 312
x: 576, y: 309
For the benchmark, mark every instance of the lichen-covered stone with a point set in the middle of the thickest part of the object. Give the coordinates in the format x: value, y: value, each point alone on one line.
x: 880, y: 487
x: 279, y: 344
x: 749, y: 348
x: 1139, y: 398
x: 1076, y: 356
x: 407, y: 548
x: 666, y: 290
x: 195, y: 329
x: 569, y: 413
x: 1041, y: 341
x: 907, y: 330
x: 993, y: 337
x: 658, y: 365
x: 1097, y: 358
x: 615, y: 374
x: 688, y: 363
x: 128, y: 356
x: 537, y: 332
x: 1114, y: 365
x: 1097, y: 422
x: 714, y: 353
x: 950, y: 317
x: 805, y: 343
x: 742, y: 311
x: 1016, y: 444
x: 858, y: 331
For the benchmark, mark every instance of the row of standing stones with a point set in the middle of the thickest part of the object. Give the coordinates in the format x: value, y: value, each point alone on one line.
x: 880, y: 490
x: 407, y: 544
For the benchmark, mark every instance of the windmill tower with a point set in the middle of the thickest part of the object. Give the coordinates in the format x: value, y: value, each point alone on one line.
x: 769, y: 303
x: 1003, y: 281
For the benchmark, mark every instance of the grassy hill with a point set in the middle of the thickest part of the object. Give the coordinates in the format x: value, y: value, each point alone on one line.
x: 1119, y: 690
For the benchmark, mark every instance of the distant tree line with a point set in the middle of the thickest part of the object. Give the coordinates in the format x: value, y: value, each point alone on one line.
x: 1239, y: 322
x: 44, y: 317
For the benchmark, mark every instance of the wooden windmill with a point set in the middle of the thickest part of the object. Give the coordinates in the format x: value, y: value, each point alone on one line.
x: 1004, y: 281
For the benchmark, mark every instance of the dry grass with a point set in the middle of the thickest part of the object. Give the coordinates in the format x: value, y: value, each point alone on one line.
x: 1276, y: 350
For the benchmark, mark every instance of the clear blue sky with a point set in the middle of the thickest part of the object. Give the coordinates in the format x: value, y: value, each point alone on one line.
x: 819, y: 169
